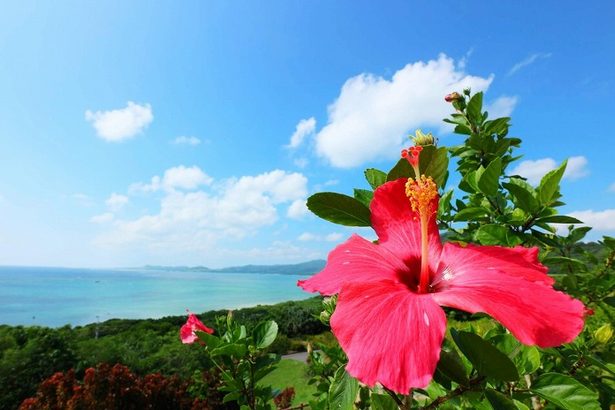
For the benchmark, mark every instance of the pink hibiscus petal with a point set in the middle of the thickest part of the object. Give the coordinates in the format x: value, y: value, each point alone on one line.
x: 517, y: 261
x: 391, y: 335
x: 530, y: 308
x: 187, y: 332
x: 356, y: 260
x: 398, y: 227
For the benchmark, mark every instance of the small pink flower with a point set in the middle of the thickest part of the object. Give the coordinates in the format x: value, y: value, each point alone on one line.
x: 388, y: 318
x: 187, y: 333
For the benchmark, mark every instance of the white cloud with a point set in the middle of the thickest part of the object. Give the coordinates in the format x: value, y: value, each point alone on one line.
x: 324, y: 185
x: 463, y: 61
x: 185, y: 178
x: 612, y: 187
x: 197, y: 220
x: 310, y: 237
x: 331, y: 182
x: 372, y: 115
x: 180, y: 177
x: 118, y: 125
x: 502, y: 107
x: 534, y: 170
x: 102, y: 218
x: 297, y: 209
x: 333, y: 237
x: 303, y: 129
x: 183, y: 140
x: 281, y: 251
x: 116, y: 201
x: 598, y: 220
x: 527, y: 61
x: 301, y: 162
x: 306, y: 236
x: 576, y: 168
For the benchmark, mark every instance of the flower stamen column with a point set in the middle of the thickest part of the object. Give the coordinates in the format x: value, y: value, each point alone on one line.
x: 421, y: 192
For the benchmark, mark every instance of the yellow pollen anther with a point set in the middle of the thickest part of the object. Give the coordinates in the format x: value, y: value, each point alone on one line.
x: 421, y: 193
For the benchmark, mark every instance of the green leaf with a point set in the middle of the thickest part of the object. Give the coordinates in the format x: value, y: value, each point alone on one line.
x: 462, y: 129
x: 599, y: 363
x: 521, y: 196
x: 487, y: 360
x: 488, y: 181
x: 433, y: 162
x: 498, y: 126
x: 231, y: 349
x: 444, y: 205
x: 492, y: 234
x: 549, y: 260
x: 565, y: 392
x: 499, y: 401
x: 339, y: 208
x: 526, y: 358
x: 343, y: 390
x: 232, y: 396
x: 451, y: 366
x: 364, y: 196
x: 375, y: 177
x: 210, y: 341
x: 265, y: 333
x: 475, y: 105
x: 468, y: 183
x: 476, y: 141
x: 609, y: 300
x: 402, y: 169
x: 559, y: 219
x: 383, y: 402
x: 609, y: 242
x: 437, y: 166
x: 549, y: 184
x: 471, y: 213
x: 578, y: 233
x: 456, y: 119
x: 259, y: 374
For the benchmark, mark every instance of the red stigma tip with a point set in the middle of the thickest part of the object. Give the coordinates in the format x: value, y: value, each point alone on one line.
x: 412, y: 154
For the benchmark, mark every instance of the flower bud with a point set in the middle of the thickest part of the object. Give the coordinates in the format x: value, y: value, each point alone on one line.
x: 452, y: 97
x: 603, y: 334
x: 324, y: 317
x: 421, y: 139
x: 328, y: 304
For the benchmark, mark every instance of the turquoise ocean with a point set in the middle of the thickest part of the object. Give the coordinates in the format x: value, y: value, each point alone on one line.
x: 59, y: 296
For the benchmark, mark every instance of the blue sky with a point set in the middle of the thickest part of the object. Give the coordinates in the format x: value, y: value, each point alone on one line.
x: 162, y: 133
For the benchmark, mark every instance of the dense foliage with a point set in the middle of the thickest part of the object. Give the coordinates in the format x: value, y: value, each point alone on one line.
x: 482, y: 365
x: 29, y: 355
x: 115, y: 387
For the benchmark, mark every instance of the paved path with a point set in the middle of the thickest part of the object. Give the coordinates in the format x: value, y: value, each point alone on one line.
x: 299, y: 356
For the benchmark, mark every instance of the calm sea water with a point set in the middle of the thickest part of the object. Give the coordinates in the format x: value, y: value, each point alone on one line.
x: 59, y: 296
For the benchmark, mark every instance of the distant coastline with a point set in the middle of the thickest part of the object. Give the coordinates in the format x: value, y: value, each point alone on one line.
x: 304, y: 268
x: 58, y: 296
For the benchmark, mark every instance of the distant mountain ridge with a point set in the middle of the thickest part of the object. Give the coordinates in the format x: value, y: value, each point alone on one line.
x: 304, y: 268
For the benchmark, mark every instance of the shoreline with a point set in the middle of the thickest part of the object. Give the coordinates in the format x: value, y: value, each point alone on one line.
x: 167, y: 317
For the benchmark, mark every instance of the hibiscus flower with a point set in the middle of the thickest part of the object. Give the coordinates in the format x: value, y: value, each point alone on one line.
x: 388, y: 318
x: 187, y: 333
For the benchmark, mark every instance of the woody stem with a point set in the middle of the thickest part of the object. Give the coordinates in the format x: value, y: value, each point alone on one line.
x: 424, y: 278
